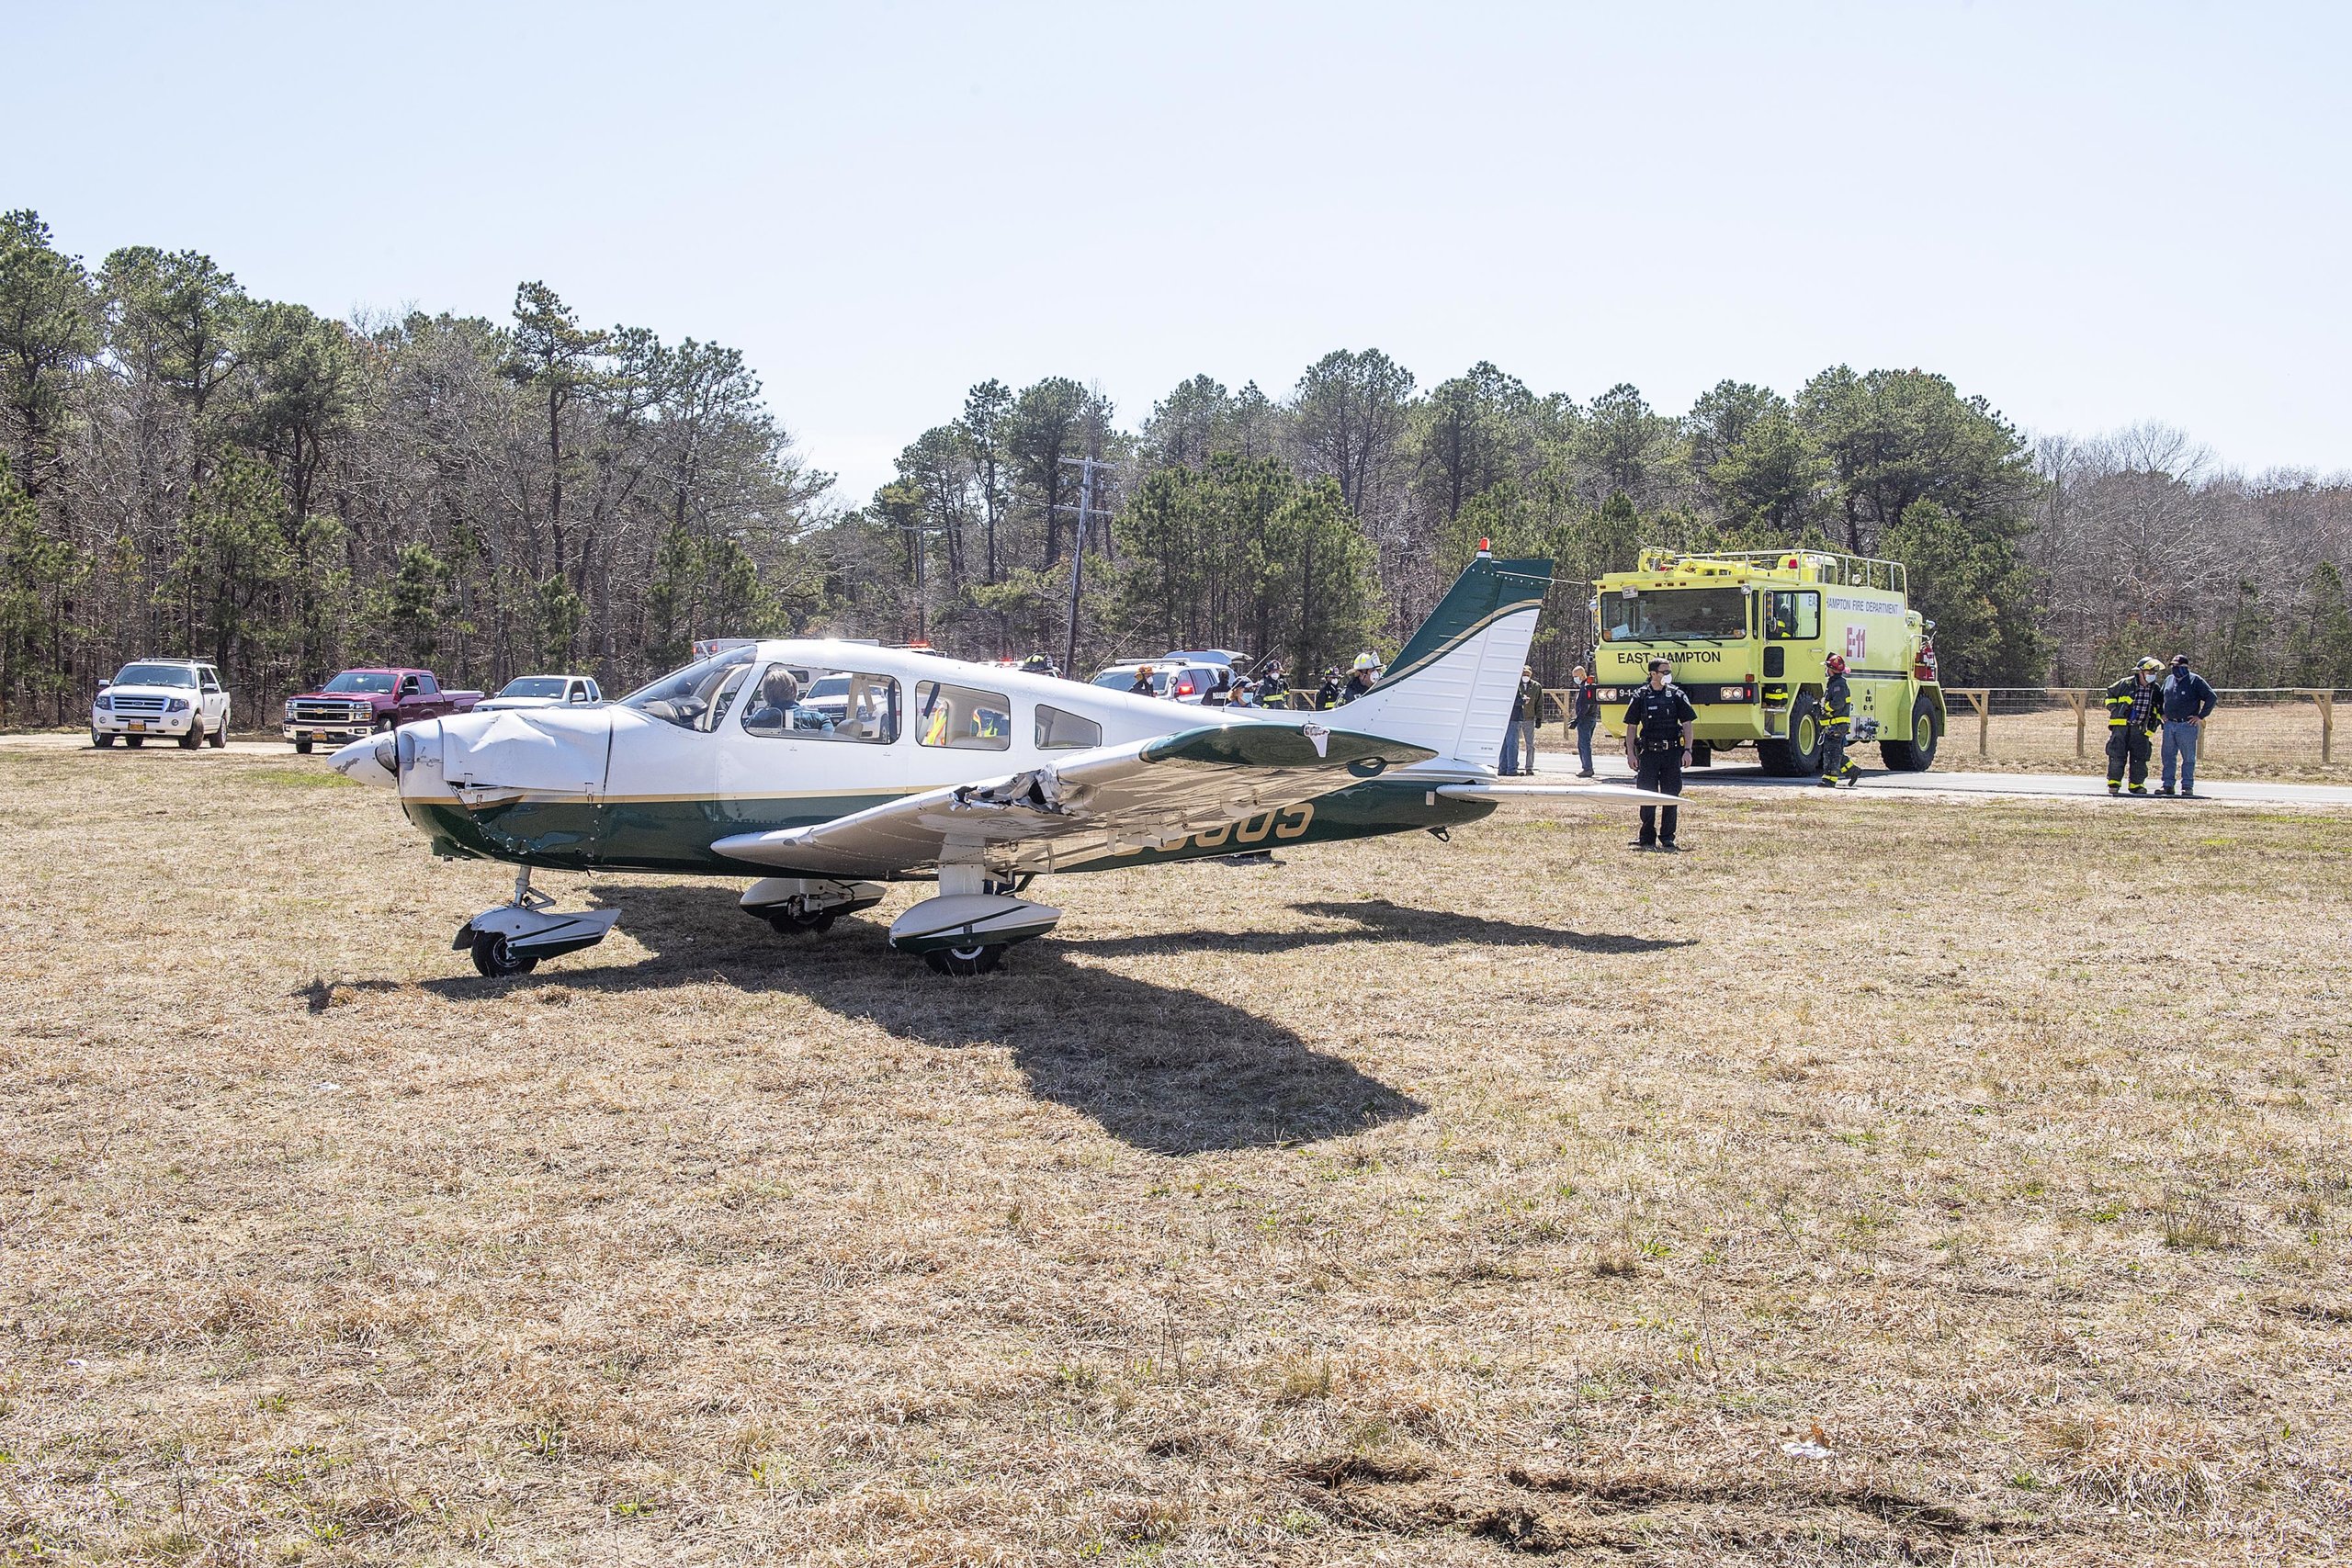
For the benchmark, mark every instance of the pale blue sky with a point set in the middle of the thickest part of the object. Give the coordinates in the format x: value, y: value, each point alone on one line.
x: 2091, y: 214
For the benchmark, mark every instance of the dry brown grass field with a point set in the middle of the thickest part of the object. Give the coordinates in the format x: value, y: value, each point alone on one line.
x: 1887, y: 1181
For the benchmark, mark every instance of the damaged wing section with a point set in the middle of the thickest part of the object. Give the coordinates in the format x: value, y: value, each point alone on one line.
x: 1115, y: 799
x: 1040, y: 789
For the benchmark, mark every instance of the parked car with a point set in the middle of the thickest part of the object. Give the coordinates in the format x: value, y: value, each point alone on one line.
x: 361, y: 702
x: 1183, y: 682
x: 182, y: 698
x: 543, y: 692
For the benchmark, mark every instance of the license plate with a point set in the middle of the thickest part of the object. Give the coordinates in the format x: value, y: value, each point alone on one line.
x: 135, y: 724
x: 317, y: 735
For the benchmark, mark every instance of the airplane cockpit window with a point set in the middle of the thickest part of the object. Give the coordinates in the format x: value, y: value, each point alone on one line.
x: 793, y: 702
x: 697, y: 697
x: 963, y: 719
x: 1058, y: 731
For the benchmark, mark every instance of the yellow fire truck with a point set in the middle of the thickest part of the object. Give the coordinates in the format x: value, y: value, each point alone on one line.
x: 1747, y: 634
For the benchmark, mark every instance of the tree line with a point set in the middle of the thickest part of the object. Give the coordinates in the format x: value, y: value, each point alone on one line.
x: 188, y: 469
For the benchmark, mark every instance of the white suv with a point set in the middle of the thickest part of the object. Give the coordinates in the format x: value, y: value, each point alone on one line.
x: 181, y: 698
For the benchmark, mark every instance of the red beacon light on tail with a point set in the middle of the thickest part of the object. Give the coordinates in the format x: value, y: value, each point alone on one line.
x: 1485, y: 549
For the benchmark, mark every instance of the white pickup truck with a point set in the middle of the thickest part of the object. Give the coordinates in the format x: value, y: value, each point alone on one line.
x: 543, y: 692
x: 179, y: 698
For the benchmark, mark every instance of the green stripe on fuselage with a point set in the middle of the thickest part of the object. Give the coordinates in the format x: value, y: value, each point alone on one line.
x: 676, y: 835
x: 624, y: 835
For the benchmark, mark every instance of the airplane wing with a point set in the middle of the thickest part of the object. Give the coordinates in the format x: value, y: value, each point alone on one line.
x: 1110, y: 800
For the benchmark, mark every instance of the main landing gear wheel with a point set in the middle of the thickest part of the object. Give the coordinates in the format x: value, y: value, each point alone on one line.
x: 495, y: 960
x: 978, y: 959
x: 789, y: 921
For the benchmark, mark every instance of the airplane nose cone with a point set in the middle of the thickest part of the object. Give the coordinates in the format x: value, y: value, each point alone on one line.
x: 372, y: 759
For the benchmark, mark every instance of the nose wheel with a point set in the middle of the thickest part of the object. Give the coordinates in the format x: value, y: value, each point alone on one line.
x: 513, y: 937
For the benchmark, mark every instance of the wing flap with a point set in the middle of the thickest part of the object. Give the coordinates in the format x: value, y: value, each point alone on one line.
x: 1138, y: 795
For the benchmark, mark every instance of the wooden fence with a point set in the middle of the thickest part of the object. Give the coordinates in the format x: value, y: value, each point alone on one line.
x: 2273, y: 717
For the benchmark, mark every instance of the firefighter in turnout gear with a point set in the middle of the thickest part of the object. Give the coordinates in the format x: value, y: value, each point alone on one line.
x: 1836, y: 725
x: 2135, y: 711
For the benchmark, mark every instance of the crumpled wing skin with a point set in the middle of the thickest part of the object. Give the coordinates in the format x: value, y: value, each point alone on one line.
x: 1138, y: 795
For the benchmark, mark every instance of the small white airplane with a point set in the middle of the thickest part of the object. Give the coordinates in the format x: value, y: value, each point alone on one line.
x: 836, y: 767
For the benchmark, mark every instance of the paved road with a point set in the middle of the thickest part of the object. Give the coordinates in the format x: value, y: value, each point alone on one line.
x: 1960, y: 786
x: 79, y: 741
x: 1552, y: 762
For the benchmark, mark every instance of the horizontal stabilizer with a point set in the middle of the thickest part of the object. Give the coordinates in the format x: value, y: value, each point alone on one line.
x: 1548, y: 792
x: 1282, y: 746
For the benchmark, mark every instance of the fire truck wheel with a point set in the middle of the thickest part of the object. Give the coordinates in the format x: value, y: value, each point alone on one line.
x: 1918, y: 754
x: 1798, y: 755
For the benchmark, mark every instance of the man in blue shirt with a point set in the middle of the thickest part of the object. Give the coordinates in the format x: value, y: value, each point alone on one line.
x: 2187, y: 702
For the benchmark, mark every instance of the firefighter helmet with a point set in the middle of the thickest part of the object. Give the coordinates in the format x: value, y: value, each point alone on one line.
x: 1365, y: 661
x: 2151, y: 663
x: 1837, y: 663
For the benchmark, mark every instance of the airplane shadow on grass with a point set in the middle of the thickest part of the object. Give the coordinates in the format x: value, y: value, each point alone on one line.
x: 1168, y: 1068
x: 1161, y: 1067
x: 1376, y: 919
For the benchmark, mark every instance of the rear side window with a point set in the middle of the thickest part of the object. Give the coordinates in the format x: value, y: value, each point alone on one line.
x: 1057, y: 731
x: 424, y: 684
x: 962, y: 719
x: 211, y: 681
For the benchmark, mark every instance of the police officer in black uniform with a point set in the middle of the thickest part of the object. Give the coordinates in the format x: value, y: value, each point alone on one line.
x: 1657, y: 742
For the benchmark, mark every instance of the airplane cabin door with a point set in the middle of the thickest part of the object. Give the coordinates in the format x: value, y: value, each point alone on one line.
x: 809, y: 744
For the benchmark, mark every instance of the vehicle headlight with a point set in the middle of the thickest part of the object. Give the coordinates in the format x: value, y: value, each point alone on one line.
x: 104, y: 705
x: 178, y: 704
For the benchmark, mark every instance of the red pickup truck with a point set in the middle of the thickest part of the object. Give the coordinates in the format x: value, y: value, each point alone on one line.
x: 361, y: 702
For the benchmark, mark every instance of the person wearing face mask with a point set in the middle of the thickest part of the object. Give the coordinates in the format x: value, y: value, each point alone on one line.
x: 1658, y: 724
x: 2189, y: 703
x: 2134, y: 710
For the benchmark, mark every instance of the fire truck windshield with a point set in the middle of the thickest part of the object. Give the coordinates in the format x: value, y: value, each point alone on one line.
x: 1675, y: 614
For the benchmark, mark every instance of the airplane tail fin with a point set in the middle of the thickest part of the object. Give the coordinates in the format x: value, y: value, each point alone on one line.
x: 1452, y: 688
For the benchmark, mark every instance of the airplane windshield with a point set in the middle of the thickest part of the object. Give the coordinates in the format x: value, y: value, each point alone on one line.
x: 1677, y: 614
x: 698, y: 696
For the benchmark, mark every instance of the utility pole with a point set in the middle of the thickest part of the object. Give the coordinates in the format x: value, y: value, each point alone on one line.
x: 1086, y: 467
x: 920, y: 549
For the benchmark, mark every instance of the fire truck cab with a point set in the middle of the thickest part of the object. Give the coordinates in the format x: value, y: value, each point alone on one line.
x: 1747, y: 634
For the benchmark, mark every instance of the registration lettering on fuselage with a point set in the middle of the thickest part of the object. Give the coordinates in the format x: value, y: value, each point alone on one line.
x: 1288, y: 822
